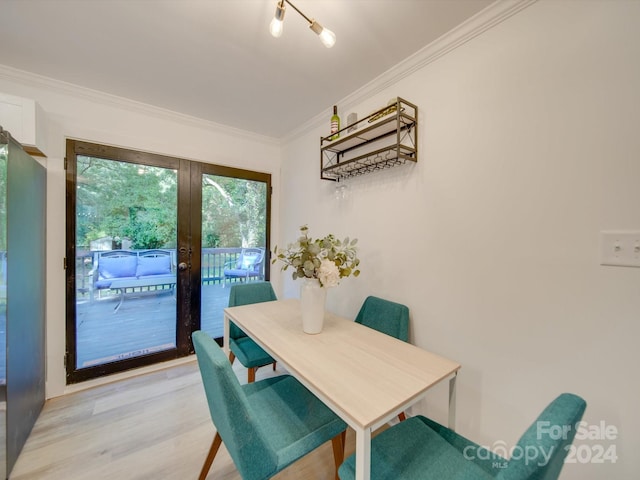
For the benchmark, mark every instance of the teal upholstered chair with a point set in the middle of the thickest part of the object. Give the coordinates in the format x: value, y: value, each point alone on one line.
x: 265, y: 425
x: 421, y: 449
x: 248, y: 352
x: 386, y: 317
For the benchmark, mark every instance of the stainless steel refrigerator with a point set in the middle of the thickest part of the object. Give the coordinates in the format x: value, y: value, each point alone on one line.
x: 22, y: 297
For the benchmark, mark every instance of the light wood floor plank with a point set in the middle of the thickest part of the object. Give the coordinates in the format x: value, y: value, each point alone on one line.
x: 153, y: 426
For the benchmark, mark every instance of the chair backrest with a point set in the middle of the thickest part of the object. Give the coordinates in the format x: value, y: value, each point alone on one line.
x: 245, y: 294
x: 540, y: 452
x: 132, y: 263
x: 385, y: 316
x: 155, y: 262
x: 250, y: 259
x: 230, y: 412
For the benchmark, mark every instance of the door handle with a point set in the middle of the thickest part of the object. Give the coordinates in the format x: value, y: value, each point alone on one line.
x: 182, y: 266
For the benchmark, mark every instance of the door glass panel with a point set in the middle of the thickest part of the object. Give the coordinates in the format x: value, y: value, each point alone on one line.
x: 4, y: 151
x: 126, y: 236
x: 140, y: 285
x: 234, y: 240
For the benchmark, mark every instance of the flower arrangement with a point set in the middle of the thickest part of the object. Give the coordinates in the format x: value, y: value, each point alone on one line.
x: 327, y: 259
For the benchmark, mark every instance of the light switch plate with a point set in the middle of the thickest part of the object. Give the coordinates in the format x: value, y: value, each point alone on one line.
x: 620, y: 248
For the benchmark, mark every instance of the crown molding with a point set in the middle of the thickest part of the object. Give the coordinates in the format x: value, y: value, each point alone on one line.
x: 57, y: 86
x: 484, y: 20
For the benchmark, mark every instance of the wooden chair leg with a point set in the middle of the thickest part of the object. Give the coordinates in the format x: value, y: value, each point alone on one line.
x: 338, y: 450
x: 402, y: 417
x: 232, y: 357
x: 215, y: 445
x: 251, y: 373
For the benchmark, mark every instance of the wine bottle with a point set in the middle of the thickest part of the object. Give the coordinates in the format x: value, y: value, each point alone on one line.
x: 335, y: 124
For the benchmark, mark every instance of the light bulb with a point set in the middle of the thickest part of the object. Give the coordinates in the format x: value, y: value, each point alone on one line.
x: 327, y: 37
x: 275, y: 27
x: 277, y: 24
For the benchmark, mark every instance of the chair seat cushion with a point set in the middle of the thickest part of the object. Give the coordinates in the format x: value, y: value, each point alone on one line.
x: 249, y: 353
x: 411, y: 450
x: 292, y: 418
x: 239, y: 272
x: 157, y: 279
x: 106, y: 283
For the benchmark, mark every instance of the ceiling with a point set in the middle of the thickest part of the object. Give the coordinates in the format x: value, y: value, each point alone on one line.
x: 215, y: 59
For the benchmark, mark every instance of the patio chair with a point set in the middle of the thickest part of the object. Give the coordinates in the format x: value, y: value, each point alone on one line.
x: 386, y: 317
x: 421, y: 449
x: 248, y: 352
x: 247, y: 266
x: 266, y: 425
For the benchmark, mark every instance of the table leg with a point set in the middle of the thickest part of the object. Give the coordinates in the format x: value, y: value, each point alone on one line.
x: 117, y: 307
x: 225, y: 337
x: 452, y: 402
x: 363, y: 454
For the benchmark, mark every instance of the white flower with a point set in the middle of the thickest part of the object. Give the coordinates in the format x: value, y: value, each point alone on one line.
x: 328, y: 273
x: 328, y: 259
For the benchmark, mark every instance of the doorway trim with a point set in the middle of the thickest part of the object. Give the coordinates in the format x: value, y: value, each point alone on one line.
x: 189, y: 216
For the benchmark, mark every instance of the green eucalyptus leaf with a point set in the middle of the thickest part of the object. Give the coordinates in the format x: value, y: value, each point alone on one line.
x: 306, y: 255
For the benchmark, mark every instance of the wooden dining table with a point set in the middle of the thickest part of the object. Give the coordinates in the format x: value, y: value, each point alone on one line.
x: 366, y: 377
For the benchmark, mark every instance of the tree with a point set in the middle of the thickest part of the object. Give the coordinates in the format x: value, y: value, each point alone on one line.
x: 137, y: 202
x: 126, y: 201
x: 233, y: 212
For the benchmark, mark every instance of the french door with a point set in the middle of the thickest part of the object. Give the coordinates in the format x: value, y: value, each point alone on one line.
x: 152, y: 242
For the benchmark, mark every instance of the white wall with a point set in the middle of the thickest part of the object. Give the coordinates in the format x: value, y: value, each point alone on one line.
x: 86, y: 115
x: 529, y: 147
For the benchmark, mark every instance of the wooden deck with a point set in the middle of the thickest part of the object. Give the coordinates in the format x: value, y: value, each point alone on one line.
x: 144, y: 323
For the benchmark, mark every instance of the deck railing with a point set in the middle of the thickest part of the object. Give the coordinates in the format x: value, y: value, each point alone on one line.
x: 213, y: 264
x: 214, y: 261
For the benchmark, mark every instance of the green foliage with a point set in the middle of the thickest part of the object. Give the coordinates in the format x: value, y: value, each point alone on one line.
x: 234, y: 212
x: 139, y: 203
x: 308, y: 258
x: 126, y: 201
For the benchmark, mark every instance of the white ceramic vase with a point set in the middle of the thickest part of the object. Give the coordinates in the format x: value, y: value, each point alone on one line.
x: 312, y: 301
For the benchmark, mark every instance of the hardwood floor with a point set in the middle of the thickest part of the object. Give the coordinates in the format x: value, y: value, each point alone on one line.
x: 153, y: 426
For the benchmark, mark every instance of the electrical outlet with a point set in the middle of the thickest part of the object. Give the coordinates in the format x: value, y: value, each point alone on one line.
x: 620, y: 248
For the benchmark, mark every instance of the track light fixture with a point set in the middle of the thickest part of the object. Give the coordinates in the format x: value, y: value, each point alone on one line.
x: 327, y: 37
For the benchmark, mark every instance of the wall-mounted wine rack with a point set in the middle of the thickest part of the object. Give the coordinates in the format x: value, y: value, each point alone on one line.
x: 385, y: 139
